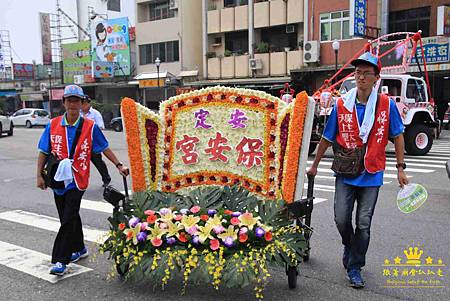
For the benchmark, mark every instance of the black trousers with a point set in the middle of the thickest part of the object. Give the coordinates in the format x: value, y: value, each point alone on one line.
x: 101, y: 167
x: 70, y: 235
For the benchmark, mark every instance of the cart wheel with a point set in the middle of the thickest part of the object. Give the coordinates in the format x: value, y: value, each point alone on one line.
x: 292, y: 277
x: 121, y: 271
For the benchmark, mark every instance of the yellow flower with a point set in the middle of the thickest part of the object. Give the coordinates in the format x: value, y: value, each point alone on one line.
x: 205, y: 232
x: 188, y: 221
x: 248, y: 220
x: 215, y: 221
x: 230, y: 232
x: 132, y: 233
x: 172, y: 228
x: 156, y: 232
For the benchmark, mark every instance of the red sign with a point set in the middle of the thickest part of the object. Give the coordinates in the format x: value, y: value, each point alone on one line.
x: 57, y: 94
x: 23, y: 71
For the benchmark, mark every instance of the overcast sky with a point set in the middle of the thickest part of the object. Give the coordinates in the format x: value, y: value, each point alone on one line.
x: 21, y: 18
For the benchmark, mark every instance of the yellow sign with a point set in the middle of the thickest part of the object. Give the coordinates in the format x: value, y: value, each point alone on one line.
x: 145, y: 83
x: 414, y: 270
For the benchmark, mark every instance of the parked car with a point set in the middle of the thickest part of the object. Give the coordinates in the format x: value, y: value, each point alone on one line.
x: 116, y: 124
x: 30, y: 117
x: 6, y: 125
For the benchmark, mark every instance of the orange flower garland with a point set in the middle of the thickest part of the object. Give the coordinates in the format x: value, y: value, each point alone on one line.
x: 130, y: 118
x: 294, y: 146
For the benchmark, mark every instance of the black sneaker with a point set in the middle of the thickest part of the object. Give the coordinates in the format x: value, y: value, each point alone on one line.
x: 356, y: 281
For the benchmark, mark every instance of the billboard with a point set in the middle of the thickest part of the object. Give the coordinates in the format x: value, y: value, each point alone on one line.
x: 46, y: 41
x: 23, y: 71
x: 110, y: 48
x: 77, y: 61
x: 358, y: 14
x: 436, y: 50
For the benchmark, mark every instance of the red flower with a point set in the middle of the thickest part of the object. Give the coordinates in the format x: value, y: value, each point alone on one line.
x: 156, y: 242
x: 151, y: 219
x: 243, y: 237
x: 235, y: 221
x: 129, y: 235
x: 214, y: 244
x: 182, y: 237
x: 268, y: 236
x: 121, y: 226
x: 229, y: 212
x: 178, y: 217
x: 204, y: 217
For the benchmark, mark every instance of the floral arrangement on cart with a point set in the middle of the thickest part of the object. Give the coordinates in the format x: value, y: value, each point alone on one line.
x: 212, y: 176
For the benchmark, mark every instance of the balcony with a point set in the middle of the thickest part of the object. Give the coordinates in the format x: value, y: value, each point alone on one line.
x: 273, y: 64
x: 213, y: 21
x: 277, y: 12
x: 261, y: 14
x: 227, y: 19
x: 241, y: 17
x: 294, y: 11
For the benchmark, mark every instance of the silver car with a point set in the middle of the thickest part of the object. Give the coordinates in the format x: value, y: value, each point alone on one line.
x: 30, y: 117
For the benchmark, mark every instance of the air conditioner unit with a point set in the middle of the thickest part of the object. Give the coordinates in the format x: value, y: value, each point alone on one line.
x: 290, y: 28
x: 256, y: 64
x: 173, y: 4
x: 78, y: 79
x: 311, y: 51
x: 43, y: 86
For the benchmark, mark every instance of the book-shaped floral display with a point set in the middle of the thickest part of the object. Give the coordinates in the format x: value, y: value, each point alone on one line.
x: 211, y: 174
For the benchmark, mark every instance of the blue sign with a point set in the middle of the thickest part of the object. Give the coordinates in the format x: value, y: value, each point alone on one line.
x: 359, y: 18
x: 434, y: 53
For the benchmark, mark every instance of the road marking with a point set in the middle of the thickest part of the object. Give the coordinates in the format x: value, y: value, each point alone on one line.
x: 421, y: 170
x: 48, y: 223
x: 419, y: 160
x: 34, y: 263
x: 319, y: 200
x: 97, y: 206
x: 319, y: 187
x: 386, y: 175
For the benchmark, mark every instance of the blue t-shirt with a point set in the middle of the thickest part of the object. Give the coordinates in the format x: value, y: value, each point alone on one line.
x: 396, y: 127
x: 99, y: 144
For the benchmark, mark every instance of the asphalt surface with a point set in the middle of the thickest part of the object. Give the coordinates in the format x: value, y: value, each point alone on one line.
x: 322, y: 278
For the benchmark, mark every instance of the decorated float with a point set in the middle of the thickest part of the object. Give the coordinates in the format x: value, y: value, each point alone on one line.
x: 217, y: 180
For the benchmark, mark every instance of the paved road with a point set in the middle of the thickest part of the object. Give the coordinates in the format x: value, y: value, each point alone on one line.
x: 28, y: 226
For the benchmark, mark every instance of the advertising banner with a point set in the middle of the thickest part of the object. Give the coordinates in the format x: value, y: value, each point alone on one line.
x: 77, y: 61
x: 46, y: 41
x: 23, y: 71
x: 111, y: 48
x: 435, y: 50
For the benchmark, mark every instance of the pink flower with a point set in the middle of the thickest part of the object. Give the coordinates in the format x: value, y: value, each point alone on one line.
x: 178, y: 217
x: 235, y: 221
x: 243, y: 230
x: 192, y: 230
x: 149, y: 212
x: 214, y: 244
x: 144, y: 226
x: 218, y: 229
x: 195, y: 209
x: 157, y: 242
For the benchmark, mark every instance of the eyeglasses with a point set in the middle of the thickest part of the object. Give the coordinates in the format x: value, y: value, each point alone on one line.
x: 363, y: 73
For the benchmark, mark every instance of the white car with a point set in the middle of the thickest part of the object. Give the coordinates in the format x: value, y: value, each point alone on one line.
x: 30, y: 117
x: 6, y: 125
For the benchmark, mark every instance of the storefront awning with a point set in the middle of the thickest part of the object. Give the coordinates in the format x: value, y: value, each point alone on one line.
x: 153, y: 75
x: 188, y: 73
x: 36, y: 96
x: 10, y: 93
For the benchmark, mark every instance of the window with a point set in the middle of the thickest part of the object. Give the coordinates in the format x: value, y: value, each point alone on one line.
x: 160, y: 10
x: 411, y: 20
x: 334, y: 26
x: 236, y: 42
x: 166, y: 51
x: 114, y: 5
x: 416, y: 90
x: 232, y: 3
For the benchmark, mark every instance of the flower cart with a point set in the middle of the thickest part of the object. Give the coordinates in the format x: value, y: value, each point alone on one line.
x: 217, y: 180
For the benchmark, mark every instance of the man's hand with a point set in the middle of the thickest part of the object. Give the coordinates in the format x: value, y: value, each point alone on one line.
x: 402, y: 178
x: 312, y: 171
x: 40, y: 182
x: 123, y: 170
